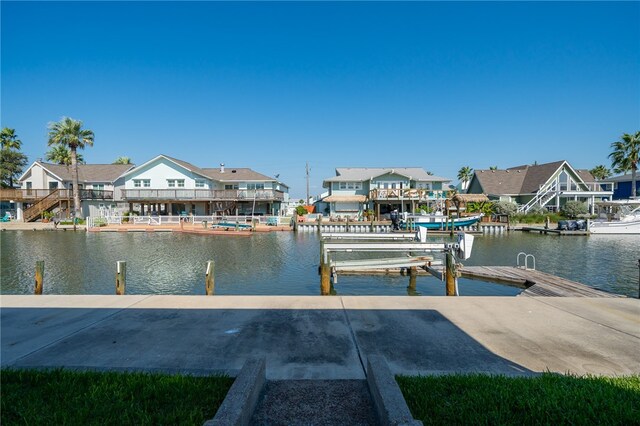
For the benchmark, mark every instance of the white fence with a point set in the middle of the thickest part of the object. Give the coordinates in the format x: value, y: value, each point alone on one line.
x: 117, y: 219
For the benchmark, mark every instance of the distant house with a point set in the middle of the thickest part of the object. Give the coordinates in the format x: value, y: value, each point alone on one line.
x: 622, y: 186
x: 356, y: 189
x: 46, y: 186
x: 162, y: 185
x: 547, y: 185
x: 166, y: 185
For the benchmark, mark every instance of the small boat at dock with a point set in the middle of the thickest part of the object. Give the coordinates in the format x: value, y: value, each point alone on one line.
x: 440, y: 221
x: 617, y: 217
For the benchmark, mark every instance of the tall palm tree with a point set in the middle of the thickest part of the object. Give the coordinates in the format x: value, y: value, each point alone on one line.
x: 122, y: 160
x: 464, y: 175
x: 69, y: 133
x: 9, y: 139
x: 62, y: 155
x: 625, y: 157
x: 493, y: 167
x: 600, y: 172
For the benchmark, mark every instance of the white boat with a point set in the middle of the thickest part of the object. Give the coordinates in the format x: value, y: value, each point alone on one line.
x: 617, y: 217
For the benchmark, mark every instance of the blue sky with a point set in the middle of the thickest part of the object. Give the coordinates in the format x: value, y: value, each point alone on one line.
x: 272, y: 86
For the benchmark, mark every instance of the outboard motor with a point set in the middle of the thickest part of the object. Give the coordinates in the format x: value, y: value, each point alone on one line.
x: 395, y: 220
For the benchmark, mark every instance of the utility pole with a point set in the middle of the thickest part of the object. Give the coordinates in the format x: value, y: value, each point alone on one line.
x: 306, y: 201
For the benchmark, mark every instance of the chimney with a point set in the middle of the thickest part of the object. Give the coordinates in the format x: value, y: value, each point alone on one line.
x: 221, y: 167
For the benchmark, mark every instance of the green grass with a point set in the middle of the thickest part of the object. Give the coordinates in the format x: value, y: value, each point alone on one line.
x: 547, y: 399
x: 57, y: 397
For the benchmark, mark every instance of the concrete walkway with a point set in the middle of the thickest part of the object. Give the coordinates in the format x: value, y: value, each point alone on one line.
x: 321, y: 338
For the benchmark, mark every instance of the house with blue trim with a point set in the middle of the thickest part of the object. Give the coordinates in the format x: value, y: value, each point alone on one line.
x: 622, y: 186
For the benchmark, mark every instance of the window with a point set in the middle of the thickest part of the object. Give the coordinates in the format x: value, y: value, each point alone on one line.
x: 53, y: 185
x: 137, y: 183
x: 350, y: 185
x: 255, y: 186
x: 146, y: 183
x: 199, y: 183
x: 99, y: 187
x: 180, y: 183
x: 233, y: 186
x: 172, y: 183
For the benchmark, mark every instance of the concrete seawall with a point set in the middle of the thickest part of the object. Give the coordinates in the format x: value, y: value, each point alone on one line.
x: 312, y: 337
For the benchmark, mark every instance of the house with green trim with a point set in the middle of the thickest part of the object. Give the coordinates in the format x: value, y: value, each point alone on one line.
x: 548, y: 185
x: 354, y: 190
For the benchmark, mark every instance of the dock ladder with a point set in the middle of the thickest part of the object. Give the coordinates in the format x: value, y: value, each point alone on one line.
x: 525, y: 264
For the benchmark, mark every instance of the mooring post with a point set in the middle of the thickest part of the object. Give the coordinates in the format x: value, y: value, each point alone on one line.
x: 39, y: 277
x: 121, y: 277
x: 237, y: 224
x: 347, y: 223
x: 373, y: 229
x: 413, y: 274
x: 450, y: 277
x: 209, y: 283
x: 319, y: 222
x: 325, y: 273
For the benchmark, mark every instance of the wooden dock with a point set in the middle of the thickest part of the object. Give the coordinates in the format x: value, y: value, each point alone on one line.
x: 543, y: 230
x: 535, y: 283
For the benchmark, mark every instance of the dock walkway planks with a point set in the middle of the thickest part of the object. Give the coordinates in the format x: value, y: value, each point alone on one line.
x: 535, y: 283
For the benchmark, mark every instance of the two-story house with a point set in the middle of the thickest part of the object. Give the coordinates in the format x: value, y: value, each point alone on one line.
x: 48, y: 187
x: 166, y: 185
x: 547, y: 185
x: 356, y: 189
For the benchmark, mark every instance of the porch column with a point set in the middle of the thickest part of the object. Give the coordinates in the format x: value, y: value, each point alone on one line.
x: 170, y: 209
x: 130, y: 207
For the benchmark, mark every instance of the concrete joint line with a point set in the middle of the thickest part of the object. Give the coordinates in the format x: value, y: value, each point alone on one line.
x: 389, y: 403
x: 241, y: 400
x: 353, y: 336
x: 15, y: 361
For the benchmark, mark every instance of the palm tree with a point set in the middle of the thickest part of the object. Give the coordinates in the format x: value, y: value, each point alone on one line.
x: 122, y: 160
x: 464, y: 175
x: 625, y: 157
x: 69, y: 133
x: 9, y: 139
x: 62, y: 155
x: 600, y: 172
x: 12, y: 160
x: 493, y: 167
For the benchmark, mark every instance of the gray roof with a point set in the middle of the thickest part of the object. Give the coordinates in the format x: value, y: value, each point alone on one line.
x: 89, y: 172
x: 232, y: 174
x: 622, y: 178
x: 187, y: 165
x: 361, y: 174
x: 523, y: 179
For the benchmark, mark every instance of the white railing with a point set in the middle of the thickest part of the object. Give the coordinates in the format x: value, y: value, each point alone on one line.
x: 543, y: 196
x: 93, y: 222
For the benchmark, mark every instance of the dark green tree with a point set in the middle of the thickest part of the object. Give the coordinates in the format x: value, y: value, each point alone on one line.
x: 625, y: 157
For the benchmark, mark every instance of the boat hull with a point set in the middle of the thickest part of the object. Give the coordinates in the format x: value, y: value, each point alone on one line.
x: 441, y: 222
x: 622, y: 227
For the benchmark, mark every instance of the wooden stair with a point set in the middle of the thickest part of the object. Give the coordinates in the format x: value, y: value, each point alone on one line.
x: 44, y: 204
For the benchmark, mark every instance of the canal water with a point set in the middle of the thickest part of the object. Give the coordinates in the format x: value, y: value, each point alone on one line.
x: 284, y: 263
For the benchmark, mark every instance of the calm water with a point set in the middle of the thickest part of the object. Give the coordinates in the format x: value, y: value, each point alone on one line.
x: 282, y: 263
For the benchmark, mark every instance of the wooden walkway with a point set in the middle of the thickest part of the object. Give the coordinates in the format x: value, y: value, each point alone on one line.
x: 535, y: 283
x: 542, y: 230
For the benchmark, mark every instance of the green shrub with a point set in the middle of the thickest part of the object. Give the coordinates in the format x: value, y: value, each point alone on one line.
x: 301, y: 211
x: 537, y: 209
x: 505, y: 207
x: 574, y: 208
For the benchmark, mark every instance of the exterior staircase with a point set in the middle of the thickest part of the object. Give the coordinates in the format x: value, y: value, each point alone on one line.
x: 543, y: 196
x: 47, y: 203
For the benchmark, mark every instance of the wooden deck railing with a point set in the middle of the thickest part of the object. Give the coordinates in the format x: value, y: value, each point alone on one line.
x: 201, y: 194
x: 405, y: 194
x: 33, y: 195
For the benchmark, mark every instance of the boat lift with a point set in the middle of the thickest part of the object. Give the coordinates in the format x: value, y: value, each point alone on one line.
x: 454, y: 252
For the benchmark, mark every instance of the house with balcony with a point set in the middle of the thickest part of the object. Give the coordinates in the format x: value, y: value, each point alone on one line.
x: 166, y: 185
x: 548, y: 185
x: 355, y: 190
x: 46, y: 187
x: 622, y: 186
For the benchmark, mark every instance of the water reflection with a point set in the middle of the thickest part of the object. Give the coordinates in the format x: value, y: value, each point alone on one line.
x: 282, y: 263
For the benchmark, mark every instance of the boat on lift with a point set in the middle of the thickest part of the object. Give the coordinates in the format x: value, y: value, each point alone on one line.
x: 617, y: 217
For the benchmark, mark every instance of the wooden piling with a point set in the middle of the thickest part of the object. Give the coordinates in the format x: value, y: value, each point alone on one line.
x: 325, y: 274
x: 450, y: 277
x: 413, y: 274
x: 319, y: 223
x: 121, y: 277
x: 39, y: 277
x: 209, y: 282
